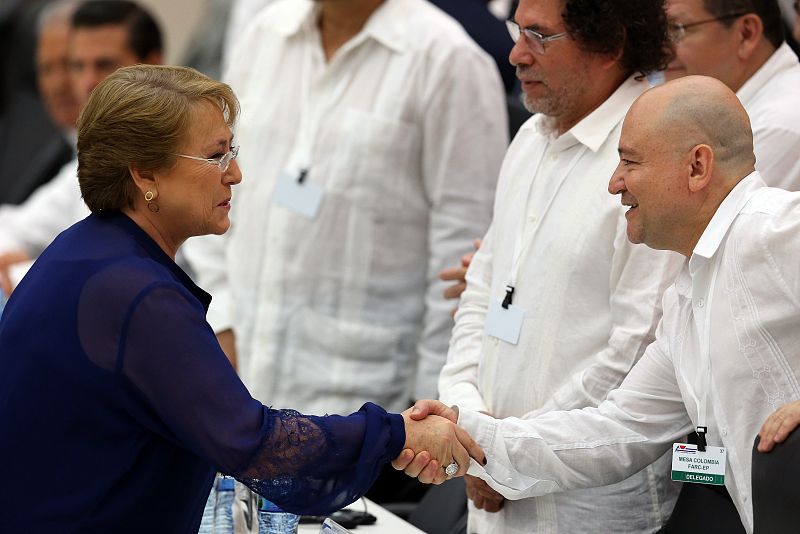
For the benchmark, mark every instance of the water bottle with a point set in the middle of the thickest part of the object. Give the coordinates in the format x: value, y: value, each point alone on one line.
x: 273, y: 520
x: 218, y: 513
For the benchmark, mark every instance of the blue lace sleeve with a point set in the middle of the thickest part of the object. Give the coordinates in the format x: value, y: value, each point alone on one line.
x: 192, y: 396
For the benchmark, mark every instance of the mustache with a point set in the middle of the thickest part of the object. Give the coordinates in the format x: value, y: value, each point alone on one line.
x: 526, y: 73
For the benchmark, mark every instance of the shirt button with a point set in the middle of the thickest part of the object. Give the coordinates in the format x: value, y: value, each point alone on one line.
x: 701, y: 302
x: 723, y: 432
x: 531, y: 218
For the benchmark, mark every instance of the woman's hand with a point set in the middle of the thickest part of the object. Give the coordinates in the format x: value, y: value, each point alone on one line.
x: 432, y: 443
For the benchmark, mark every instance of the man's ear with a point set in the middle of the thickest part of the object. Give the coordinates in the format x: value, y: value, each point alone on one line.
x: 702, y: 163
x: 750, y: 31
x: 612, y: 60
x: 143, y: 180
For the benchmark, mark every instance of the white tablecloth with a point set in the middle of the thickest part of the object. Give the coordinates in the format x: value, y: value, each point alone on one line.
x: 387, y: 522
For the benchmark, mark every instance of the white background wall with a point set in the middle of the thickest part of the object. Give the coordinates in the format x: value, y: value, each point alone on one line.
x: 178, y: 19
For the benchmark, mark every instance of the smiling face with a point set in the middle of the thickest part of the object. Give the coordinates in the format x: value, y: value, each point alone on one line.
x: 557, y: 83
x: 709, y: 49
x: 649, y: 180
x: 194, y: 196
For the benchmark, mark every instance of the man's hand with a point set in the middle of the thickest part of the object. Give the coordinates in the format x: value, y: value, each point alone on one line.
x: 779, y: 425
x: 458, y: 274
x: 424, y: 408
x: 432, y: 443
x: 482, y: 495
x: 6, y: 261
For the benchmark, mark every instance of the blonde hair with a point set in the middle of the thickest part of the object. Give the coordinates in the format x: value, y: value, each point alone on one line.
x: 138, y: 117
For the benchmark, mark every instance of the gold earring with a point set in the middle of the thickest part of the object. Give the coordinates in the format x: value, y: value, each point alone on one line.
x: 152, y: 206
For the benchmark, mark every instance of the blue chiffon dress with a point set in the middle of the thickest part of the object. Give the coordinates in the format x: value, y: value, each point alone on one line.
x: 117, y: 405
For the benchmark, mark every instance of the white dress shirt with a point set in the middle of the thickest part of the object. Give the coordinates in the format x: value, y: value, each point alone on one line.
x: 591, y: 302
x: 51, y: 209
x: 405, y: 129
x: 772, y: 99
x: 729, y: 340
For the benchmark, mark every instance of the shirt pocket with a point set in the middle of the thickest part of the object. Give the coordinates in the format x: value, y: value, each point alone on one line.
x: 348, y: 360
x: 378, y: 162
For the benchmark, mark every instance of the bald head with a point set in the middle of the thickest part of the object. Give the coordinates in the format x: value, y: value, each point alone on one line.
x: 699, y: 110
x: 684, y: 146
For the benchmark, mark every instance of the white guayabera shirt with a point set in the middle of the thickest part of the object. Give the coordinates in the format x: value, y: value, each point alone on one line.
x: 772, y: 99
x: 591, y: 302
x: 404, y: 129
x: 750, y: 313
x: 51, y: 209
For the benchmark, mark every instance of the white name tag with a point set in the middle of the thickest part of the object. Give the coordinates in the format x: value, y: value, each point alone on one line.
x: 303, y: 198
x: 504, y: 323
x: 691, y: 465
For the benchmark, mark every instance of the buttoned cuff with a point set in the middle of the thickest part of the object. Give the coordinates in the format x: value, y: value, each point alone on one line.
x: 499, y: 471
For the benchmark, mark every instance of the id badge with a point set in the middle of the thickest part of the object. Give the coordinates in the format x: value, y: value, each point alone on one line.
x: 504, y: 323
x: 691, y: 465
x: 302, y: 198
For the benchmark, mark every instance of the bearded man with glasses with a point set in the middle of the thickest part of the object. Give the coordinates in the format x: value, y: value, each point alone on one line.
x: 741, y: 43
x: 558, y: 304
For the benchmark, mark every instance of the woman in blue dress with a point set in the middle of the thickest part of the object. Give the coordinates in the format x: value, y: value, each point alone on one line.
x: 114, y: 393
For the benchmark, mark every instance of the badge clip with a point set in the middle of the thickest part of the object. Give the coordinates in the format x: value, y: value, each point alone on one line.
x: 701, y: 438
x: 509, y: 297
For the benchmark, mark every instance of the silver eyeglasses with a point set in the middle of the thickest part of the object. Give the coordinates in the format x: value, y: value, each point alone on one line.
x: 223, y: 162
x: 677, y: 30
x: 534, y: 38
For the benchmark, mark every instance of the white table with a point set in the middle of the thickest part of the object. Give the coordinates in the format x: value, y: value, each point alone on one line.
x: 387, y: 522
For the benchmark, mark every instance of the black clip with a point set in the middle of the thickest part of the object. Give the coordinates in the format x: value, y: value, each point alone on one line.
x: 509, y: 297
x: 302, y: 176
x: 701, y: 438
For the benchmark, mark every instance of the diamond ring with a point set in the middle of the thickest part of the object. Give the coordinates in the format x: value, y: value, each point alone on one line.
x: 451, y: 469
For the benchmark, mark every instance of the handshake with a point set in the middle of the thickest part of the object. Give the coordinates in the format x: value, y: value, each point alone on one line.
x: 436, y: 449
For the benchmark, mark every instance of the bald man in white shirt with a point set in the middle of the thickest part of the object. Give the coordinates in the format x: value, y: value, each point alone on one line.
x: 726, y: 350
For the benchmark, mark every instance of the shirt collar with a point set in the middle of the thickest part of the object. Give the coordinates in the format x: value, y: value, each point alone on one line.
x: 726, y: 213
x: 594, y: 129
x: 782, y: 59
x: 717, y: 229
x: 387, y: 25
